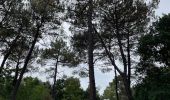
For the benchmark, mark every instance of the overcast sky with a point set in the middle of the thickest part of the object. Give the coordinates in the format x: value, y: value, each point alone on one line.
x: 164, y: 7
x: 103, y: 79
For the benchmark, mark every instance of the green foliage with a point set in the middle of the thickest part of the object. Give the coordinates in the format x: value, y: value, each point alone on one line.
x: 86, y: 94
x: 30, y: 89
x: 154, y: 47
x: 110, y: 92
x: 73, y: 90
x: 59, y: 51
x: 69, y: 89
x: 33, y: 89
x: 155, y: 86
x: 5, y: 87
x: 117, y: 23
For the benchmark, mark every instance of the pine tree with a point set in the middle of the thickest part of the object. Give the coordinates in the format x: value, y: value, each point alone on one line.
x: 123, y: 21
x: 62, y: 55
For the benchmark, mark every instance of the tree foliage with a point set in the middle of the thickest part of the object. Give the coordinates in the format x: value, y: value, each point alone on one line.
x: 103, y: 31
x: 154, y: 47
x: 70, y: 89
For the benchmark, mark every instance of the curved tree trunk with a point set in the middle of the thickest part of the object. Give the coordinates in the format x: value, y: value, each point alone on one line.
x: 15, y: 90
x: 8, y: 53
x: 122, y: 74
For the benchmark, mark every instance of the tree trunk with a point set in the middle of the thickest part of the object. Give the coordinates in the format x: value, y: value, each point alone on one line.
x: 116, y: 86
x: 108, y: 53
x: 127, y: 88
x: 15, y: 90
x: 16, y: 73
x: 92, y: 91
x: 120, y: 45
x: 54, y: 83
x: 126, y: 75
x: 8, y: 53
x: 123, y: 75
x: 129, y: 60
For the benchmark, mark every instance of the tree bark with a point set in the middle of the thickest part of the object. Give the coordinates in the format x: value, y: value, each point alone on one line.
x: 15, y: 90
x: 123, y: 75
x: 16, y: 73
x: 92, y: 91
x: 127, y: 88
x: 54, y: 83
x: 118, y: 36
x: 108, y: 53
x: 116, y: 86
x: 129, y: 60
